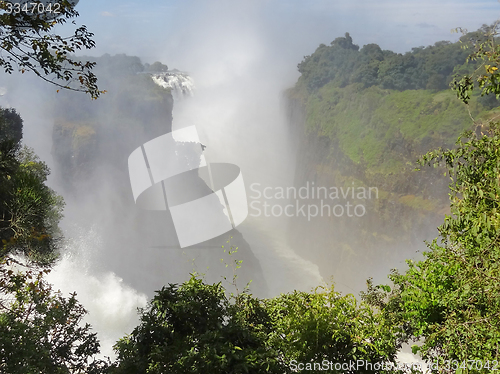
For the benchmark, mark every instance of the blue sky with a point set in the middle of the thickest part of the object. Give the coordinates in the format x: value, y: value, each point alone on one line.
x: 158, y: 29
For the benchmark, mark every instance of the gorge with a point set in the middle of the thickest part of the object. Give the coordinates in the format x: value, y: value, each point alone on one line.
x: 117, y: 255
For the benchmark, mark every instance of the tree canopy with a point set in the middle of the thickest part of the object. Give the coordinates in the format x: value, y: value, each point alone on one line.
x: 449, y: 303
x: 40, y: 330
x: 344, y: 63
x: 29, y: 43
x: 195, y: 328
x: 29, y: 210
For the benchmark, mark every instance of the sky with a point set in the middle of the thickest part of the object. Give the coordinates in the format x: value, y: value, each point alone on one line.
x: 166, y: 30
x: 243, y: 53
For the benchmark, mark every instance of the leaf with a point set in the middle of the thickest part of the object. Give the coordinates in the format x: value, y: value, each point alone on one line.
x: 385, y: 288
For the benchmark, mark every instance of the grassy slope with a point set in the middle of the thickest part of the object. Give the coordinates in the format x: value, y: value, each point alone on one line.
x: 372, y: 137
x: 366, y: 122
x: 383, y: 132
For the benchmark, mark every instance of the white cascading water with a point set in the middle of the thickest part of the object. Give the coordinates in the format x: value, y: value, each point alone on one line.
x: 111, y: 304
x: 282, y: 268
x: 180, y: 83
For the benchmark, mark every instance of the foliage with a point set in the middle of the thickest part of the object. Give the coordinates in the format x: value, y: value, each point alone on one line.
x: 327, y: 64
x: 11, y: 126
x: 29, y: 43
x: 344, y: 63
x: 487, y: 51
x: 450, y: 302
x: 193, y: 328
x: 325, y: 326
x: 120, y: 65
x: 29, y: 209
x: 383, y: 109
x: 156, y: 67
x: 41, y: 331
x: 371, y: 116
x: 384, y: 130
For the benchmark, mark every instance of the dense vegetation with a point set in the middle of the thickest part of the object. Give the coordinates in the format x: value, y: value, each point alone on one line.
x: 195, y: 328
x: 344, y: 63
x: 370, y: 132
x: 40, y: 331
x: 382, y: 108
x: 450, y: 300
x: 28, y: 43
x: 448, y: 304
x: 29, y: 210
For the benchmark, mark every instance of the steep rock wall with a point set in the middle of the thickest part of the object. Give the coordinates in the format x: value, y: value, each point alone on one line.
x: 353, y: 138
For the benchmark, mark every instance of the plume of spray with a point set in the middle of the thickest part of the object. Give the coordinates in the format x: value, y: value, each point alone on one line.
x: 239, y: 114
x: 240, y: 66
x: 111, y: 304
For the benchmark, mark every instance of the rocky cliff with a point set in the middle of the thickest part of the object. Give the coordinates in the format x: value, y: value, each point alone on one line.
x: 356, y: 136
x: 92, y: 141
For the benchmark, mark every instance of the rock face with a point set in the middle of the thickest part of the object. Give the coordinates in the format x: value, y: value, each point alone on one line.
x: 91, y: 145
x: 396, y: 210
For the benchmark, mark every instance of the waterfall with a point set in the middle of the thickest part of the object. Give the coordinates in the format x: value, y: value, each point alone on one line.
x: 124, y: 242
x: 282, y: 269
x: 180, y: 83
x: 110, y: 303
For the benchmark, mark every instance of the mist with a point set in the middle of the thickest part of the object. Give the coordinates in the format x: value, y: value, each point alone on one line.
x: 242, y: 56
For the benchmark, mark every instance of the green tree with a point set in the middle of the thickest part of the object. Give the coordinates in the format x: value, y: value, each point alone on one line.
x: 194, y: 328
x: 449, y: 303
x: 156, y: 67
x: 451, y: 300
x: 344, y: 63
x: 11, y: 126
x: 485, y: 60
x: 41, y: 331
x: 29, y: 210
x: 345, y: 42
x: 323, y: 325
x: 28, y: 43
